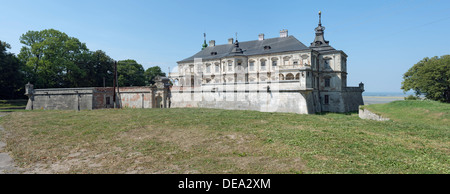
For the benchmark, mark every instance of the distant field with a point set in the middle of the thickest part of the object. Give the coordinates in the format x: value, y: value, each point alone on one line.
x: 380, y: 99
x: 192, y: 140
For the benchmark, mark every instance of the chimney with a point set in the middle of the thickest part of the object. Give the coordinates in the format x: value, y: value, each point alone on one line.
x: 283, y: 33
x: 230, y: 41
x: 261, y: 37
x: 212, y: 43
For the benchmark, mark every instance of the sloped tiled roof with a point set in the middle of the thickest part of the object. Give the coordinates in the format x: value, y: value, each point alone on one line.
x: 255, y: 47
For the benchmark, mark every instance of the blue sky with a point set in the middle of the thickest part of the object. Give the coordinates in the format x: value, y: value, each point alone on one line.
x: 383, y: 39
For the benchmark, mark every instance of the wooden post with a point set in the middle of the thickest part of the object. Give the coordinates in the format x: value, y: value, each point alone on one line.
x: 114, y: 83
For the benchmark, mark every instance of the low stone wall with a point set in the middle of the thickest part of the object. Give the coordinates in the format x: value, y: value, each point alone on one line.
x: 89, y: 98
x: 61, y: 99
x: 135, y: 97
x: 366, y: 114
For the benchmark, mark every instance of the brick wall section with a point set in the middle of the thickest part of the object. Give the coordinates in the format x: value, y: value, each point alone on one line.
x: 100, y: 97
x: 135, y: 97
x: 129, y: 97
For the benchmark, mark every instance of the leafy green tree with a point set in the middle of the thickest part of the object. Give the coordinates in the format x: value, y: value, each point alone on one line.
x: 430, y: 77
x: 51, y: 58
x: 151, y: 73
x: 130, y: 73
x: 98, y: 68
x: 12, y: 78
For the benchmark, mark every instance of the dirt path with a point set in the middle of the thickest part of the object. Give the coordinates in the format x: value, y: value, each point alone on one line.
x: 7, y: 165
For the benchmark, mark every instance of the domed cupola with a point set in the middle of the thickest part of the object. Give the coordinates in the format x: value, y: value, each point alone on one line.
x: 320, y: 41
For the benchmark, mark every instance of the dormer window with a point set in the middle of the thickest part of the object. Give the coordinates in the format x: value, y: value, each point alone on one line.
x: 213, y: 53
x: 267, y: 47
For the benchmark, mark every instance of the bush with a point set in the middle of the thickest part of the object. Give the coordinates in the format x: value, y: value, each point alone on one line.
x: 412, y: 97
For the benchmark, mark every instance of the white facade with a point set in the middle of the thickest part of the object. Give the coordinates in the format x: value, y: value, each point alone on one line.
x: 274, y: 75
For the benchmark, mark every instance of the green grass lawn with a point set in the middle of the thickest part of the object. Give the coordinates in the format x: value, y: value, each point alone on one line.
x: 192, y: 140
x: 4, y: 104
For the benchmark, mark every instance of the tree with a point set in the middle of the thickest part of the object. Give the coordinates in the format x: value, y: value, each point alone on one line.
x: 51, y: 57
x: 130, y: 73
x: 151, y: 73
x: 98, y: 68
x: 12, y: 79
x: 430, y: 77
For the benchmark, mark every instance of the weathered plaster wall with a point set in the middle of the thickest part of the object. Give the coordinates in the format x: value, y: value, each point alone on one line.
x: 62, y: 99
x: 352, y: 99
x: 103, y: 98
x: 135, y: 97
x: 89, y: 98
x: 285, y: 97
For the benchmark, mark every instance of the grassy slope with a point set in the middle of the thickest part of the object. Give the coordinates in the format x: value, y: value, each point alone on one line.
x: 13, y: 103
x: 224, y: 141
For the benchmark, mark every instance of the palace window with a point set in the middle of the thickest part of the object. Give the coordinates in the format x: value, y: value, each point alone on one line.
x: 317, y: 82
x: 263, y: 65
x: 327, y: 99
x: 230, y: 66
x: 217, y: 69
x: 286, y: 60
x: 327, y: 82
x: 305, y: 61
x: 208, y: 68
x: 252, y: 65
x: 274, y: 63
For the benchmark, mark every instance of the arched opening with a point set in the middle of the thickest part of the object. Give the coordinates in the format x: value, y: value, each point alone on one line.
x: 263, y: 65
x: 281, y: 76
x: 290, y: 76
x: 274, y: 62
x: 297, y: 76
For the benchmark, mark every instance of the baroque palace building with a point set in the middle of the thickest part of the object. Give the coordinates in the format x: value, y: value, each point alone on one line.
x: 275, y: 75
